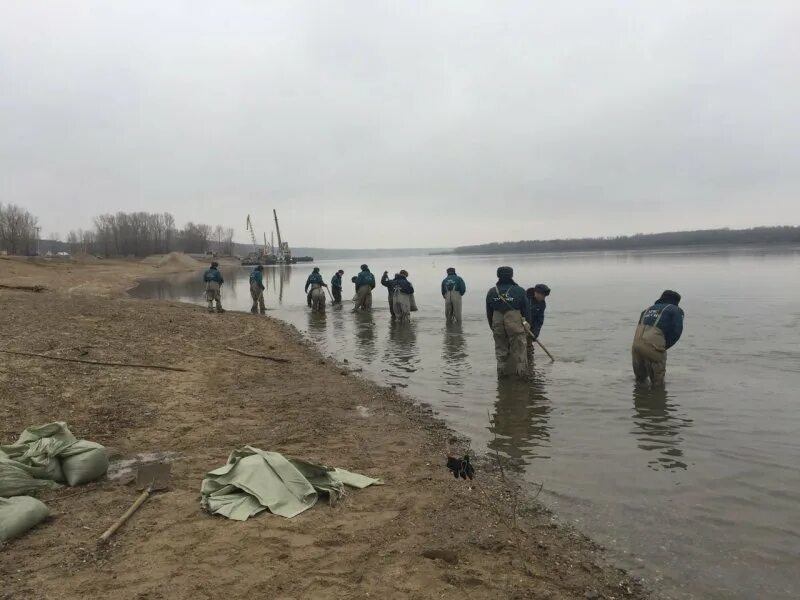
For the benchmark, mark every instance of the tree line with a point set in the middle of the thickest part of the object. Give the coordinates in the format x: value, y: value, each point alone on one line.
x: 640, y: 241
x: 141, y: 234
x: 18, y: 230
x: 122, y: 234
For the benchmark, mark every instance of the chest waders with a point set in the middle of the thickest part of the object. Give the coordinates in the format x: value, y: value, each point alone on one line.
x: 649, y: 340
x: 527, y: 327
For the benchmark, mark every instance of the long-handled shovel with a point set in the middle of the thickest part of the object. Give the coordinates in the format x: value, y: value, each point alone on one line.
x: 151, y: 477
x: 535, y: 339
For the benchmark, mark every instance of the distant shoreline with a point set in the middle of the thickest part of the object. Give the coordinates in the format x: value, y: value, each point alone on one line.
x: 686, y: 247
x: 711, y: 238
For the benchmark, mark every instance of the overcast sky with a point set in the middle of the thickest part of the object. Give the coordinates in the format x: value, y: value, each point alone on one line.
x: 389, y: 124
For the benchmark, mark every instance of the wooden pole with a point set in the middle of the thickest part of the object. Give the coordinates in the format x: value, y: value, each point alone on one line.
x: 121, y: 521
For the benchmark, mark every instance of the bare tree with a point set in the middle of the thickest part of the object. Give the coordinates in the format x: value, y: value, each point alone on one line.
x: 228, y: 237
x: 218, y: 233
x: 194, y: 237
x: 18, y: 230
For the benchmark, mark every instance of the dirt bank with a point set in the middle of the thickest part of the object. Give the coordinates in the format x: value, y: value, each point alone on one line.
x: 370, y: 545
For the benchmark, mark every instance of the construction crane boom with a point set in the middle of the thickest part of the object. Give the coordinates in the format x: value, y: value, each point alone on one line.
x: 277, y: 228
x: 252, y: 233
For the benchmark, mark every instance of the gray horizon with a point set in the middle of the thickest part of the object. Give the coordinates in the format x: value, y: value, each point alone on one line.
x: 380, y: 125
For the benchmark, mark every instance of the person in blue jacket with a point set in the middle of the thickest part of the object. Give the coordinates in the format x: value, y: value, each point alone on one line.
x: 536, y: 300
x: 453, y: 287
x: 365, y: 283
x: 214, y: 281
x: 336, y: 286
x: 389, y: 285
x: 257, y: 290
x: 506, y: 309
x: 314, y: 280
x: 659, y: 328
x: 403, y: 292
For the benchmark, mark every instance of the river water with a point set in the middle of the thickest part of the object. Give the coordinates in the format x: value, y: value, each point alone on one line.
x: 696, y: 488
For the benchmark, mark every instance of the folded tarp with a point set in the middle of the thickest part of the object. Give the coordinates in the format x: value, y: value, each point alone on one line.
x: 256, y: 480
x: 47, y: 455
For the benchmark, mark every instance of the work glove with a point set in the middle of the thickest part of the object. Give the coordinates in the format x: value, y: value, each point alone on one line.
x: 460, y: 467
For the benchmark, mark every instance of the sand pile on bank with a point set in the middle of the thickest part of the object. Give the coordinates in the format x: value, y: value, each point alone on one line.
x: 178, y: 260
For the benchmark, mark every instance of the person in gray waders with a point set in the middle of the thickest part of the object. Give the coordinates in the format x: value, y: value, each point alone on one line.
x: 214, y: 281
x: 506, y: 309
x: 315, y: 296
x: 453, y: 287
x: 365, y: 283
x: 403, y: 296
x: 257, y: 290
x: 659, y: 328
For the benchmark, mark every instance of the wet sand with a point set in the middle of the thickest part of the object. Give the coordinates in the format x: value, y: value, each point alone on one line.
x: 497, y: 542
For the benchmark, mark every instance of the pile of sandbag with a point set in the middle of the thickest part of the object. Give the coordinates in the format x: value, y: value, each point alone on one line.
x: 44, y: 456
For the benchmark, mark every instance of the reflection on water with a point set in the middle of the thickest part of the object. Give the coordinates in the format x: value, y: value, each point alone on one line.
x: 317, y: 322
x: 402, y: 355
x: 521, y: 420
x: 365, y: 335
x: 276, y: 278
x: 658, y: 427
x: 455, y: 364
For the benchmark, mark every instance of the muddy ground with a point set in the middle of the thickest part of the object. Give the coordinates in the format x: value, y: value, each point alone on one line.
x: 490, y: 542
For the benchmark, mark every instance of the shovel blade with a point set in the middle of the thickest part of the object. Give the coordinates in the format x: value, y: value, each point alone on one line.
x: 154, y: 476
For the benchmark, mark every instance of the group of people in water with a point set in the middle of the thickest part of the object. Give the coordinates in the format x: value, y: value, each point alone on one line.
x: 515, y: 314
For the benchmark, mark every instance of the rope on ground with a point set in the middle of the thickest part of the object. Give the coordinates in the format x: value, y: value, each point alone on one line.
x: 25, y: 288
x: 264, y: 356
x: 96, y: 362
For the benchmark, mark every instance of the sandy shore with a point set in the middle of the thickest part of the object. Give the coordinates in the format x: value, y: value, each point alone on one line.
x: 371, y: 545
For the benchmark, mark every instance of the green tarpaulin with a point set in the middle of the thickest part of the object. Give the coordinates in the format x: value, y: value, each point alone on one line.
x: 256, y: 480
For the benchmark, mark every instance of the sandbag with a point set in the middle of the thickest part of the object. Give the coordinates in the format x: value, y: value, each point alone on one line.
x: 45, y: 455
x: 83, y: 461
x: 17, y: 479
x: 39, y: 446
x: 18, y: 515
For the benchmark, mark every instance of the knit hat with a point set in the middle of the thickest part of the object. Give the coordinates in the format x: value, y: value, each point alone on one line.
x: 671, y: 297
x: 505, y: 272
x: 542, y: 288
